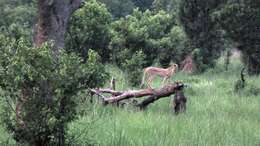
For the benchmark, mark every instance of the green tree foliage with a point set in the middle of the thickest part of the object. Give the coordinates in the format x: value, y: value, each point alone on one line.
x: 173, y: 47
x: 119, y: 8
x: 90, y: 29
x: 153, y: 34
x: 41, y: 91
x: 202, y: 30
x: 170, y: 6
x: 17, y: 18
x: 134, y: 68
x: 241, y: 20
x: 143, y: 5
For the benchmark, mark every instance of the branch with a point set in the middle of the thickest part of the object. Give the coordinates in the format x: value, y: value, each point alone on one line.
x: 110, y: 91
x: 154, y: 94
x: 97, y: 93
x: 165, y: 91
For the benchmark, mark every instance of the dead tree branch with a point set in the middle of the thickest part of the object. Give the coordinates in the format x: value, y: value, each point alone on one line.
x: 154, y: 94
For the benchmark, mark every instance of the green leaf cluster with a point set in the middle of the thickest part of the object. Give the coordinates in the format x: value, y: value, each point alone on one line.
x: 17, y: 18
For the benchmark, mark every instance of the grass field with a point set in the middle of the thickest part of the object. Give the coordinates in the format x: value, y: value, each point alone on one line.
x: 215, y: 116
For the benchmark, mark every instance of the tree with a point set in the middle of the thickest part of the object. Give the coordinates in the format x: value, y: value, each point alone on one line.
x: 155, y: 34
x: 160, y: 5
x: 134, y: 68
x: 119, y: 8
x: 143, y: 5
x: 240, y: 19
x: 90, y: 29
x: 17, y: 18
x: 170, y: 6
x: 174, y: 47
x: 53, y: 17
x: 42, y: 81
x: 33, y: 115
x: 202, y: 31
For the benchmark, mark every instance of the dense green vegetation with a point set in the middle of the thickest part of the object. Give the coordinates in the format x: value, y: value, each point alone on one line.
x: 216, y: 115
x: 52, y: 52
x: 26, y: 72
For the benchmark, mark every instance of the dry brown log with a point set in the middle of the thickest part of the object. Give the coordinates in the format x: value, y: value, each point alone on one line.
x: 154, y: 94
x: 110, y: 91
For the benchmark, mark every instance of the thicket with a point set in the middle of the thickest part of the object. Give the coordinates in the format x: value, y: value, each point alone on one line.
x: 41, y: 91
x: 156, y: 34
x: 203, y: 32
x: 212, y: 25
x: 240, y: 20
x: 17, y: 18
x: 134, y: 68
x: 163, y: 30
x: 90, y: 29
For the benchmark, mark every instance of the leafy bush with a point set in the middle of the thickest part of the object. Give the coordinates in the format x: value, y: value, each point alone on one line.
x: 134, y: 68
x: 173, y: 47
x: 119, y: 8
x: 90, y: 28
x: 198, y: 58
x: 155, y: 34
x: 41, y: 91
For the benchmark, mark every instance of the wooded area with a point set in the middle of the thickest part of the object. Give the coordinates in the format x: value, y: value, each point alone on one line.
x: 51, y: 51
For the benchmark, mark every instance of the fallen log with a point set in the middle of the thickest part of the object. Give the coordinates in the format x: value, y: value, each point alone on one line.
x: 143, y: 105
x: 154, y: 94
x: 113, y: 92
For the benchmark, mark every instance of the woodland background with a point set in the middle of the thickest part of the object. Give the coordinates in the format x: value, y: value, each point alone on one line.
x: 52, y: 52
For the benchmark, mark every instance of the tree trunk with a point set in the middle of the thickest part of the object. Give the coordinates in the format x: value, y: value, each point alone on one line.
x: 61, y: 128
x: 53, y: 17
x: 253, y: 65
x: 227, y: 59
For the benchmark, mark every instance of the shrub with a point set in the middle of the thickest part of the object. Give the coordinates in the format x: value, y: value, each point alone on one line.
x: 90, y: 28
x: 134, y: 68
x: 155, y: 34
x: 41, y: 91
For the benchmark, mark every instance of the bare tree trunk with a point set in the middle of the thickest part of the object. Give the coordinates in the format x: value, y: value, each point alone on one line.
x: 53, y: 17
x: 227, y: 59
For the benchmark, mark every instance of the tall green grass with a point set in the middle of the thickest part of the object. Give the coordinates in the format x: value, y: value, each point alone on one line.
x: 215, y: 116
